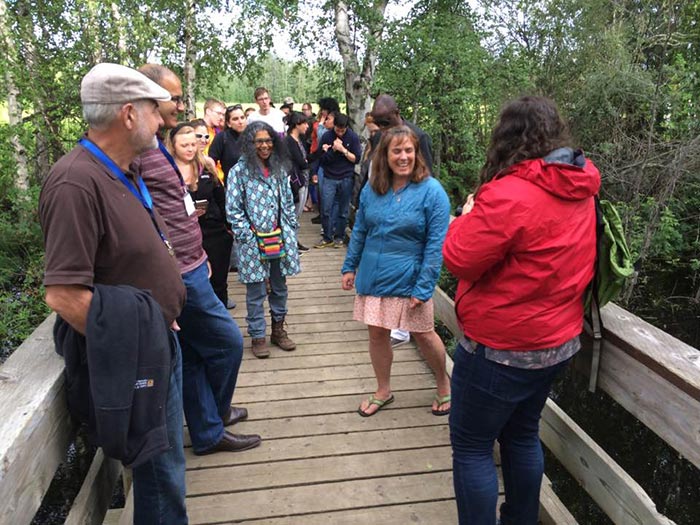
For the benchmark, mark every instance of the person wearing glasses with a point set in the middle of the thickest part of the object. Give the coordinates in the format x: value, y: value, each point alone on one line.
x: 258, y: 201
x: 266, y: 113
x: 226, y: 148
x: 201, y: 133
x: 214, y: 111
x: 212, y: 344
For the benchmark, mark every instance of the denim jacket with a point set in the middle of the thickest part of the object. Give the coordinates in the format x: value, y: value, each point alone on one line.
x: 396, y: 242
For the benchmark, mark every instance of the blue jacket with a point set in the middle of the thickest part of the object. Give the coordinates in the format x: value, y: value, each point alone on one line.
x: 396, y: 242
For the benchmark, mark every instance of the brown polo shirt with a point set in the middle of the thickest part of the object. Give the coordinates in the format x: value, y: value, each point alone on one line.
x: 97, y: 232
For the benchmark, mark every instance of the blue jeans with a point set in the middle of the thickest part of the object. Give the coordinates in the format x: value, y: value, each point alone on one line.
x: 335, y: 218
x: 212, y: 349
x: 493, y: 401
x: 159, y: 484
x: 255, y: 294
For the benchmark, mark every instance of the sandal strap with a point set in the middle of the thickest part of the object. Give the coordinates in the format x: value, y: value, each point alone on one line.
x: 376, y: 401
x: 444, y: 399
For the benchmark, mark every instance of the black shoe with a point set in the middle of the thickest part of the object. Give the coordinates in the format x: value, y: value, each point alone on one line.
x: 232, y: 443
x: 301, y: 247
x: 316, y: 220
x: 235, y: 414
x: 230, y: 304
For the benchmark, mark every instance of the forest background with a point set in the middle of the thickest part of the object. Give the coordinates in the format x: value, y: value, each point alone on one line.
x: 625, y: 73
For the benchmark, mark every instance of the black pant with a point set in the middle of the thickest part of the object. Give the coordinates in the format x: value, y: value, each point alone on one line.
x: 218, y: 244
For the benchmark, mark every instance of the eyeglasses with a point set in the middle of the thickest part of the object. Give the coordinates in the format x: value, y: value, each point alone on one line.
x: 260, y: 142
x: 200, y: 136
x: 177, y: 99
x: 219, y: 112
x: 262, y: 98
x: 235, y: 106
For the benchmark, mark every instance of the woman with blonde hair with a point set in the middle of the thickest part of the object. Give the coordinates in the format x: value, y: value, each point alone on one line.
x: 394, y: 259
x: 209, y: 197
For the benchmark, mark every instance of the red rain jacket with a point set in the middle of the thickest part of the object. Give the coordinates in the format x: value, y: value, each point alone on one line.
x: 525, y: 254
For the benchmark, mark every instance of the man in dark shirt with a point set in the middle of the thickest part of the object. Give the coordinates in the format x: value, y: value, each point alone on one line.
x: 341, y: 151
x: 100, y: 228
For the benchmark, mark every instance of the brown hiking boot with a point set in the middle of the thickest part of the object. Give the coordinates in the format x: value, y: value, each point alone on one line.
x: 280, y: 338
x: 260, y: 349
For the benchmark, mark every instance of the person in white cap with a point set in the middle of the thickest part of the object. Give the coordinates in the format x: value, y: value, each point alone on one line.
x: 100, y: 231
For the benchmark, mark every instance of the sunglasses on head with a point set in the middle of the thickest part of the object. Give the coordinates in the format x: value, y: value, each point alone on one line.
x: 200, y: 136
x: 382, y: 122
x: 235, y: 106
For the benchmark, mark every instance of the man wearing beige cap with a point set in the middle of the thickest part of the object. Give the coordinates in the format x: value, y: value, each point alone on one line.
x: 110, y: 271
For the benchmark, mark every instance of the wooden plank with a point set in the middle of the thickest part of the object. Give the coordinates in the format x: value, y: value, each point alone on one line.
x: 552, y: 510
x: 668, y: 411
x: 617, y: 494
x: 669, y: 357
x: 364, y: 370
x: 314, y: 499
x: 311, y: 349
x: 304, y: 361
x: 35, y: 429
x: 429, y: 513
x: 329, y: 337
x: 241, y: 478
x: 95, y: 496
x: 112, y: 517
x: 445, y: 311
x: 338, y: 424
x: 127, y: 515
x: 322, y: 389
x: 321, y: 446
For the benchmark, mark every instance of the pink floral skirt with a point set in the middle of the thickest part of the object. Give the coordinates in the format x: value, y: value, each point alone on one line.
x: 394, y: 312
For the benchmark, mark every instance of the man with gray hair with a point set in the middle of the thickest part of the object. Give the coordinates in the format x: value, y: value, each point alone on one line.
x: 101, y: 232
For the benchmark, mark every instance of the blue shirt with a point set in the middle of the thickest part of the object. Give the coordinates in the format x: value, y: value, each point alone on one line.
x: 396, y: 242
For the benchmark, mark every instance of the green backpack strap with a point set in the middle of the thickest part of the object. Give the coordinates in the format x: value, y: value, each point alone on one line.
x: 613, y: 266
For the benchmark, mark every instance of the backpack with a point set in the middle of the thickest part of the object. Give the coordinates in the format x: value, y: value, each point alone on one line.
x: 613, y: 266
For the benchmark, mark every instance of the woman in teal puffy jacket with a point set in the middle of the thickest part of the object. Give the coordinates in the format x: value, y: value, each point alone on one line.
x: 394, y: 261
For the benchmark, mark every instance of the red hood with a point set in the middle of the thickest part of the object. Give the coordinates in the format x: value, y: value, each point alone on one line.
x: 569, y: 177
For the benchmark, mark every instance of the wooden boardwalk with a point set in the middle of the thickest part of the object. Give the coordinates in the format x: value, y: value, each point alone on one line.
x: 320, y: 462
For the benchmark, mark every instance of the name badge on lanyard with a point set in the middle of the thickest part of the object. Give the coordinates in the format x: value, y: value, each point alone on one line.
x: 187, y: 199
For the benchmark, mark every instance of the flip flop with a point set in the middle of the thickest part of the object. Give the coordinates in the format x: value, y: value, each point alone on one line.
x: 441, y: 401
x: 381, y: 403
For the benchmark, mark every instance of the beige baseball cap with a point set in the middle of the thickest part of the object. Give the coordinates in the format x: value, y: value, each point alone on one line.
x: 116, y: 84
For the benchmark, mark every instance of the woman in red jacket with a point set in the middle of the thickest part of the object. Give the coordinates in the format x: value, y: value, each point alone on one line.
x: 523, y: 252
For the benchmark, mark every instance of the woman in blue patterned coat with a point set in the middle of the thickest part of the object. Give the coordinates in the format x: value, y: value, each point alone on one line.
x: 258, y: 198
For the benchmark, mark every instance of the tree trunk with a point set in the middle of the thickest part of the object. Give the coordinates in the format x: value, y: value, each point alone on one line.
x: 190, y: 110
x: 118, y: 24
x: 358, y: 81
x: 14, y: 109
x: 92, y: 31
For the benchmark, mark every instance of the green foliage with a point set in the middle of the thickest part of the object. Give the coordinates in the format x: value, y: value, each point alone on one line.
x: 21, y: 269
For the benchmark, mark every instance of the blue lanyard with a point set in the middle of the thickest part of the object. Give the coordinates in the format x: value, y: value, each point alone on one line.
x: 142, y: 193
x: 171, y: 160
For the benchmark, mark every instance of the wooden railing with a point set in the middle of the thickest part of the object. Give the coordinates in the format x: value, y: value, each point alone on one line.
x: 651, y: 374
x: 654, y: 376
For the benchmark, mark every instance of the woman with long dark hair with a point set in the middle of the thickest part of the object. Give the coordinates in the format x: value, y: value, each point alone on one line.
x: 523, y: 252
x: 225, y: 148
x: 260, y: 208
x: 394, y: 259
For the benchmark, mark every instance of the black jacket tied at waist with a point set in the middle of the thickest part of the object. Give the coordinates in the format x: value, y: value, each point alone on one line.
x: 118, y: 375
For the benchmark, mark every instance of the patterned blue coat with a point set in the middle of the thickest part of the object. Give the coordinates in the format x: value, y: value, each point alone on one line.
x: 261, y: 203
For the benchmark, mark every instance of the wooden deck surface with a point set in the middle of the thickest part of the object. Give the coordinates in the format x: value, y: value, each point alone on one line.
x: 320, y: 462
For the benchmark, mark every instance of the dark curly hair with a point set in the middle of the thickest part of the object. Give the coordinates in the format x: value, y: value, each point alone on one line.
x: 528, y: 128
x: 279, y: 160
